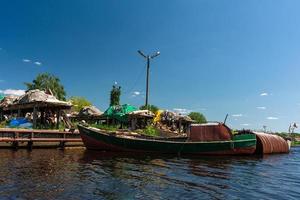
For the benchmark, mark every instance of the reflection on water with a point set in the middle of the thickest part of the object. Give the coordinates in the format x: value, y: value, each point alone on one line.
x: 81, y: 174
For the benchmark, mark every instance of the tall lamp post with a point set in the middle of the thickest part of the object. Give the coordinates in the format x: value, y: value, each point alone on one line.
x: 148, y: 57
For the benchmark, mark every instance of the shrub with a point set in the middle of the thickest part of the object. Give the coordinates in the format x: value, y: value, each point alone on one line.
x: 151, y: 131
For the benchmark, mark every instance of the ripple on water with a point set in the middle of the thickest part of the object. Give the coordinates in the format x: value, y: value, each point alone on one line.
x: 80, y: 174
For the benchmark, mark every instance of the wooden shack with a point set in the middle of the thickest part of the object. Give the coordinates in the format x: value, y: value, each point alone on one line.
x: 139, y: 119
x: 174, y: 122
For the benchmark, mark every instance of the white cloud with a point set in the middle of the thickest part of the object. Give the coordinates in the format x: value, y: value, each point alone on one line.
x: 26, y: 60
x: 13, y: 92
x: 237, y: 115
x: 264, y: 94
x: 135, y: 94
x: 272, y: 118
x: 245, y: 124
x: 181, y: 110
x: 37, y: 63
x: 261, y: 107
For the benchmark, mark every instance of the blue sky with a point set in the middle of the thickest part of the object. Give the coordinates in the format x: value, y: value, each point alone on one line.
x: 217, y: 57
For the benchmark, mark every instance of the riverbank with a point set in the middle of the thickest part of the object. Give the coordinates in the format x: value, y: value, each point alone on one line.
x: 295, y: 143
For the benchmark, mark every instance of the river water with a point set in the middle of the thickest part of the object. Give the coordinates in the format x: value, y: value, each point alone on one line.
x: 82, y: 174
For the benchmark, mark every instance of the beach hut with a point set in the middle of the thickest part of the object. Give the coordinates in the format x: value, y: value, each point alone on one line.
x: 40, y: 105
x: 171, y: 121
x: 140, y: 118
x: 90, y: 111
x: 4, y: 103
x: 90, y: 114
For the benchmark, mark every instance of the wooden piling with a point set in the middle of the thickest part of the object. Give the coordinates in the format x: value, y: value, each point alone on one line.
x: 29, y: 145
x: 15, y: 144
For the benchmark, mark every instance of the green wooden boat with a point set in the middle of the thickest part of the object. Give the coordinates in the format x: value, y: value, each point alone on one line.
x: 97, y: 139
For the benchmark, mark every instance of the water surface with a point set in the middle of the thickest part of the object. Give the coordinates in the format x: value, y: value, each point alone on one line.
x: 82, y: 174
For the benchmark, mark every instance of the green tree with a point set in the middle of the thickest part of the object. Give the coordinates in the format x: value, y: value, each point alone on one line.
x: 45, y: 81
x: 115, y: 94
x: 152, y: 108
x: 79, y: 103
x: 198, y: 117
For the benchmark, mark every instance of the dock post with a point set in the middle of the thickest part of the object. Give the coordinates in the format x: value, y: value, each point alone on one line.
x: 15, y: 145
x: 62, y: 144
x: 29, y: 145
x: 30, y: 142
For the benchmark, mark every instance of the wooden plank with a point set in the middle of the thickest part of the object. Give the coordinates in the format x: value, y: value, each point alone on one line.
x: 56, y: 139
x: 6, y: 139
x: 21, y: 131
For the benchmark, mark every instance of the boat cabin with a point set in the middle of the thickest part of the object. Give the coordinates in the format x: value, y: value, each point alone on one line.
x: 209, y: 132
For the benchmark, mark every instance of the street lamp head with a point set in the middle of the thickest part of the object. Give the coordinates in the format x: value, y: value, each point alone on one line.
x: 156, y: 54
x: 142, y: 54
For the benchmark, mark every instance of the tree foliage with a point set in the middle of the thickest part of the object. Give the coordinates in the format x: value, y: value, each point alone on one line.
x: 45, y: 81
x: 152, y: 108
x: 115, y: 94
x: 198, y: 117
x: 79, y: 103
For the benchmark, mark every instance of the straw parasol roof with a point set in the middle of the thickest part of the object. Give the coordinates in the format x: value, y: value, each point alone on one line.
x: 38, y: 98
x: 90, y: 111
x: 142, y: 113
x: 6, y: 101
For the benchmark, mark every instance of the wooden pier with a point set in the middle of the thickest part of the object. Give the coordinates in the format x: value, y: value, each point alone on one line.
x: 16, y: 138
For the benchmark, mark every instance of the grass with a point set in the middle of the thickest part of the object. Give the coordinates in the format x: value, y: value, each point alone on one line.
x: 149, y: 130
x: 295, y: 143
x: 3, y: 124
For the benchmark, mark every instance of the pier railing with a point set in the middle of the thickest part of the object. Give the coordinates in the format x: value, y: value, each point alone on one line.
x: 17, y: 136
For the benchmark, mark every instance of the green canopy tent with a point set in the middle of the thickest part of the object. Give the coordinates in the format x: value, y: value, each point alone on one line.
x: 119, y: 113
x: 1, y: 97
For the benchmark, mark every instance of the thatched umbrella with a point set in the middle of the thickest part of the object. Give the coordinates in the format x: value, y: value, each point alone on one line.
x: 36, y: 100
x: 90, y: 111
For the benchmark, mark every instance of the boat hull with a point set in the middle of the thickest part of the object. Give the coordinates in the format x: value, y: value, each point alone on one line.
x: 98, y: 140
